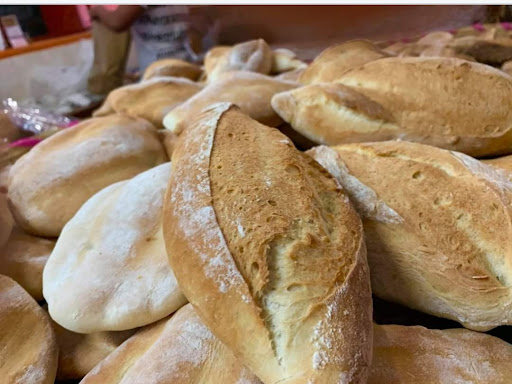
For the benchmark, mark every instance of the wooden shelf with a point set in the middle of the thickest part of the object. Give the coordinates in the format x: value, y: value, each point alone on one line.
x: 45, y: 44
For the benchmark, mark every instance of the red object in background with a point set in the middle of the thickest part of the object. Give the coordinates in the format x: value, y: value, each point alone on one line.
x: 64, y: 20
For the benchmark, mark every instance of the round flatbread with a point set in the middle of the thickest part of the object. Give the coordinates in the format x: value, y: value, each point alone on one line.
x: 109, y: 270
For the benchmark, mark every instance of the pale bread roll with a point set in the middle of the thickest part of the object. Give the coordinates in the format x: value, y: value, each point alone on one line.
x: 79, y: 353
x: 333, y: 114
x: 109, y: 270
x: 339, y: 59
x: 213, y: 56
x: 50, y: 183
x: 421, y: 356
x: 151, y: 99
x: 6, y: 221
x: 174, y: 68
x: 251, y: 56
x: 29, y: 352
x: 23, y: 259
x: 444, y: 102
x: 267, y: 248
x: 285, y: 60
x: 252, y: 92
x: 177, y: 350
x: 437, y: 225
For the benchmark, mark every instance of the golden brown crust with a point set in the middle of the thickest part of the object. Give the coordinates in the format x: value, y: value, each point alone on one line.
x: 239, y: 88
x: 264, y: 244
x: 151, y: 99
x: 333, y: 113
x: 49, y: 184
x: 173, y: 68
x: 178, y: 350
x: 339, y: 59
x: 29, y: 350
x: 23, y: 259
x: 440, y: 242
x: 445, y: 102
x: 420, y: 355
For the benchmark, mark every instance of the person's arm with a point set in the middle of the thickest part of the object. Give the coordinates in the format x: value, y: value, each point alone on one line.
x: 119, y: 20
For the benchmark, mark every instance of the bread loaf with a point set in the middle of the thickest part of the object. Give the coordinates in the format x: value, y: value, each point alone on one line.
x: 252, y: 92
x: 333, y: 114
x: 437, y: 226
x: 50, y: 183
x: 504, y: 162
x: 151, y: 99
x: 177, y: 350
x: 339, y: 59
x: 23, y: 259
x: 28, y: 352
x: 291, y: 75
x: 213, y: 56
x: 420, y: 355
x: 79, y: 353
x: 284, y: 60
x: 268, y: 250
x: 109, y: 269
x: 252, y: 56
x: 444, y: 102
x: 174, y: 68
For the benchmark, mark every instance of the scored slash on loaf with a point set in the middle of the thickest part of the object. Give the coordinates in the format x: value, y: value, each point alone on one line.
x: 269, y: 251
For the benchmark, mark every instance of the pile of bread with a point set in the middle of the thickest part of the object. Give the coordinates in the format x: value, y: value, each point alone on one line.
x: 179, y: 236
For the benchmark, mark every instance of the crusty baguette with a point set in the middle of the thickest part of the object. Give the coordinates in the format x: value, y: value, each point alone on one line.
x: 177, y: 350
x: 109, y: 270
x: 28, y: 352
x: 50, y: 183
x: 23, y: 259
x: 251, y: 56
x: 333, y: 113
x: 437, y: 225
x: 151, y: 99
x: 252, y: 92
x: 267, y: 248
x: 423, y: 356
x: 174, y: 68
x: 444, y: 102
x: 339, y: 59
